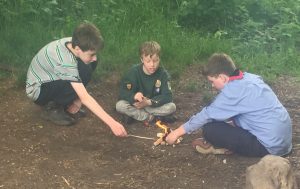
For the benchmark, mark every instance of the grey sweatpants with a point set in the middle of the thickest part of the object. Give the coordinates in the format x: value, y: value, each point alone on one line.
x: 124, y: 107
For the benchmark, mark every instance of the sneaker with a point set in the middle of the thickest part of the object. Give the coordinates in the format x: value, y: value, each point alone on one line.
x: 125, y: 119
x: 57, y: 115
x: 80, y: 114
x: 204, y: 147
x: 150, y: 121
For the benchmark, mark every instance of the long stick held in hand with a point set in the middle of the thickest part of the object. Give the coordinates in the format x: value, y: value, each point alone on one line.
x: 136, y: 136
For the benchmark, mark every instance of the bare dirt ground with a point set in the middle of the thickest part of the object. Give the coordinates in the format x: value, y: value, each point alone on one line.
x: 38, y: 154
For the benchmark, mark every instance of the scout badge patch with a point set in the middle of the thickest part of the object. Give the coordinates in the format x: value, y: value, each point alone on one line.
x: 129, y: 86
x: 158, y: 83
x: 157, y: 86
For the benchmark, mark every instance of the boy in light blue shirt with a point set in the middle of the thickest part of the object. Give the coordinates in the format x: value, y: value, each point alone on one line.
x: 259, y: 124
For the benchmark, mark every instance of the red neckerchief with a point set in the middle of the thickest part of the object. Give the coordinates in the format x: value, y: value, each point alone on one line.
x: 239, y: 75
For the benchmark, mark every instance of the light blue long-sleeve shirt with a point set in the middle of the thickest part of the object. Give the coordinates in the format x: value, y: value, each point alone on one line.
x: 253, y: 106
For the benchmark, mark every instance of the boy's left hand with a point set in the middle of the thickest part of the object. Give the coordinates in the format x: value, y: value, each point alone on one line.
x: 74, y: 107
x: 144, y: 103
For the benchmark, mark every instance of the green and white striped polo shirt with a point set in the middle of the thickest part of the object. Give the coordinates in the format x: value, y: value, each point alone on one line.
x: 53, y: 62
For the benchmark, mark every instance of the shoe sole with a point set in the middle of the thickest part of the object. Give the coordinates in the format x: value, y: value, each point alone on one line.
x: 211, y: 150
x: 203, y: 147
x: 56, y: 122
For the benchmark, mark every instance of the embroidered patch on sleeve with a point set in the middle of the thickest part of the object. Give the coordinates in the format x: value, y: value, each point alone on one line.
x: 169, y: 85
x: 129, y: 86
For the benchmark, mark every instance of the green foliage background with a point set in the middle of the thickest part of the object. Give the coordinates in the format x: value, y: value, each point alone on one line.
x: 262, y: 36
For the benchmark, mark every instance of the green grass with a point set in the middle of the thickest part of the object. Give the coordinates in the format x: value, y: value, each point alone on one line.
x: 4, y: 74
x: 27, y: 26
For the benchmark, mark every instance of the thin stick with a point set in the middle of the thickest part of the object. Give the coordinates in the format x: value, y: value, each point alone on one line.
x: 65, y: 180
x: 136, y: 136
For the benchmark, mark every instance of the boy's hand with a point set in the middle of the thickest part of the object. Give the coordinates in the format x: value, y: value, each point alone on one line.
x: 145, y: 102
x: 91, y: 104
x: 171, y: 138
x: 174, y: 135
x: 74, y: 107
x: 118, y: 129
x: 138, y: 97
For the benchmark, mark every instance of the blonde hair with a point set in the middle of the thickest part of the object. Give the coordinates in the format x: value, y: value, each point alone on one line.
x: 150, y: 48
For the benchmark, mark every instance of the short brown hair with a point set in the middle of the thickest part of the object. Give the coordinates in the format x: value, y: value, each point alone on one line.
x: 150, y: 48
x: 219, y: 63
x: 87, y: 37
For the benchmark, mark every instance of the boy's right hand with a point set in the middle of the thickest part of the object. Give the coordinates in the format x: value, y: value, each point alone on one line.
x: 118, y: 129
x: 174, y: 135
x: 171, y: 138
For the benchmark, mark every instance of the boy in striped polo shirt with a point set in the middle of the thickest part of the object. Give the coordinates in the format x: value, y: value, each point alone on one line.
x: 58, y: 74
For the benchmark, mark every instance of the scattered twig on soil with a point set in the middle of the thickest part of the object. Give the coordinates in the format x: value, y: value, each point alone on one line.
x: 103, y: 183
x: 296, y: 146
x: 67, y: 182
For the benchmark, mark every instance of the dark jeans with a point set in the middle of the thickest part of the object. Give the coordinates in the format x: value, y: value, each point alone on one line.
x: 61, y: 91
x: 236, y: 139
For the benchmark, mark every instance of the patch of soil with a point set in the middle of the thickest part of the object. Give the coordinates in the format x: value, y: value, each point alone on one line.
x: 37, y: 154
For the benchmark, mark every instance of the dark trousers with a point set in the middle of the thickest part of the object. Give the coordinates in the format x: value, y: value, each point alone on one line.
x: 236, y: 139
x: 61, y: 91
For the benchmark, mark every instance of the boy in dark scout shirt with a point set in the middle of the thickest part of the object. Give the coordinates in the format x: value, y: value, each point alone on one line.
x: 145, y: 91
